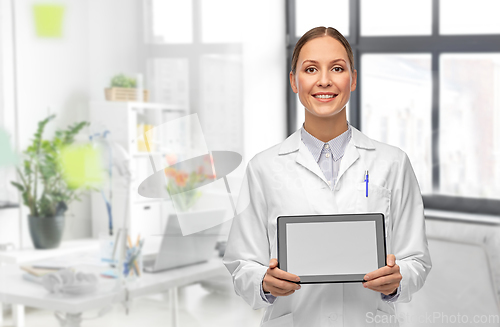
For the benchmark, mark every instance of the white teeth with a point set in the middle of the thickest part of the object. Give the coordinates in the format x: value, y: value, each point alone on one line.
x: 324, y: 96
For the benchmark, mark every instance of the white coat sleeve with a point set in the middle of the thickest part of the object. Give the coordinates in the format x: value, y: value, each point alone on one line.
x: 247, y: 252
x: 409, y: 241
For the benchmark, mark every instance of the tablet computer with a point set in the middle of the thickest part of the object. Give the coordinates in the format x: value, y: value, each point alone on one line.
x: 337, y: 248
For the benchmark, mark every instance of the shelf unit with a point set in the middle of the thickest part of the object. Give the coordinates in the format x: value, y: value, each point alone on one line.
x: 126, y: 121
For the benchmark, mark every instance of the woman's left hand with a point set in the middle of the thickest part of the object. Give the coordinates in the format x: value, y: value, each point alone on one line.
x: 386, y: 279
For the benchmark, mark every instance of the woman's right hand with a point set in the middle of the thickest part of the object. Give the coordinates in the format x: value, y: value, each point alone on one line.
x: 279, y: 282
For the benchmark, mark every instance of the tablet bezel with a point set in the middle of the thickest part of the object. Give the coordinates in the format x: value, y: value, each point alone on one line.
x: 379, y: 220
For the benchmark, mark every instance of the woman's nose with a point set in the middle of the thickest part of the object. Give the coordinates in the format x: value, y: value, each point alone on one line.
x: 324, y: 80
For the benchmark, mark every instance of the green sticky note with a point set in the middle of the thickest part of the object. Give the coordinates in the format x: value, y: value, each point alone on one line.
x: 82, y: 166
x: 7, y: 155
x: 48, y: 20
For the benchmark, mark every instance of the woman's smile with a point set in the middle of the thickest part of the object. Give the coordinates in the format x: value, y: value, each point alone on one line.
x: 325, y: 96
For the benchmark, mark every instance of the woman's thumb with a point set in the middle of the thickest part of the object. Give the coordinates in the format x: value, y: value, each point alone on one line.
x: 273, y: 263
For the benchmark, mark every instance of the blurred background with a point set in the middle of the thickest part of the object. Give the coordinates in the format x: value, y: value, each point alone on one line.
x: 428, y: 83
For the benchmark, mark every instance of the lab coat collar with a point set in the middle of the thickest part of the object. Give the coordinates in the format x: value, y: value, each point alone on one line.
x: 304, y: 157
x: 358, y: 139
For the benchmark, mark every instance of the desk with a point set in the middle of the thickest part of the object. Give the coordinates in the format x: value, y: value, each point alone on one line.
x: 14, y: 289
x: 23, y: 256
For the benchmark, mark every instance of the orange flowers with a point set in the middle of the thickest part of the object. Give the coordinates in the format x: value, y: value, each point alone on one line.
x: 170, y: 172
x: 181, y: 178
x: 183, y: 185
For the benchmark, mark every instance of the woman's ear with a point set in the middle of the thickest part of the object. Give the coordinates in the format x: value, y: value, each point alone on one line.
x: 292, y: 82
x: 354, y: 81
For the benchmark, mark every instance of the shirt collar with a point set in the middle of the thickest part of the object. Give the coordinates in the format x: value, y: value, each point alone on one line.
x: 358, y: 139
x: 336, y: 146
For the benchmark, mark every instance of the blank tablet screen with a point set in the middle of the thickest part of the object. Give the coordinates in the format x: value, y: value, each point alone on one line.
x: 335, y: 248
x: 331, y: 248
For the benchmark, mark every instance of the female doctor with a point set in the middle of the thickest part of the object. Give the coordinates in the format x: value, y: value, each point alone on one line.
x: 320, y: 169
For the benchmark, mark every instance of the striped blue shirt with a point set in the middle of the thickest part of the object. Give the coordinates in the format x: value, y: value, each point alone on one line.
x: 328, y: 155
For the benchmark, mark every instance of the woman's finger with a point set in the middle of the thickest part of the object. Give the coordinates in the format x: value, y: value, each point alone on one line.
x: 273, y: 263
x: 391, y: 260
x: 280, y: 274
x: 280, y: 283
x: 381, y: 281
x: 279, y: 292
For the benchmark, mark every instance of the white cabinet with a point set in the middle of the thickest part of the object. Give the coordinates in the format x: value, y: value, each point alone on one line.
x: 126, y: 122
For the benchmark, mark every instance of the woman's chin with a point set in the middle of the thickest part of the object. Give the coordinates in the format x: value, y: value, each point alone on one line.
x: 324, y: 113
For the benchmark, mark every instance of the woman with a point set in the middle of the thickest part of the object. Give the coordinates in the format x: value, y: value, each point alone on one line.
x: 320, y: 169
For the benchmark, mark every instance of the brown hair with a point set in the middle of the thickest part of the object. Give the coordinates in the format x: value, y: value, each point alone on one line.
x: 316, y: 33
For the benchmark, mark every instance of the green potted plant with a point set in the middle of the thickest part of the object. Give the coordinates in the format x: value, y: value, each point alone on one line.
x: 124, y: 88
x: 43, y: 186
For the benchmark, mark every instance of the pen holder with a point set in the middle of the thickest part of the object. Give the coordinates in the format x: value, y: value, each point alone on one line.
x: 132, y: 265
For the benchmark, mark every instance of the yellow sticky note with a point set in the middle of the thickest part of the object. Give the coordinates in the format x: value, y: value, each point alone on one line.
x: 48, y: 20
x: 82, y: 166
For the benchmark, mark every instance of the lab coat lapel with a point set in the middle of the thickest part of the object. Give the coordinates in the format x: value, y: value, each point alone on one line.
x: 358, y: 141
x: 351, y: 154
x: 294, y: 145
x: 305, y: 158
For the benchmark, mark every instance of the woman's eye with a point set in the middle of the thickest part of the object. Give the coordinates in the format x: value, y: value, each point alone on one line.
x: 338, y: 69
x: 310, y: 70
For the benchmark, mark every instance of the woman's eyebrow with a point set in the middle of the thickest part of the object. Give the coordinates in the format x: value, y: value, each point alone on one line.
x: 315, y: 62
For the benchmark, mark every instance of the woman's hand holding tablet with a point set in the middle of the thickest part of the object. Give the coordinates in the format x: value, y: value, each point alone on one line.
x: 279, y: 282
x: 386, y: 279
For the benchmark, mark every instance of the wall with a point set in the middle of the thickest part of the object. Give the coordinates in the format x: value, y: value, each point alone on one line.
x: 265, y: 76
x: 59, y: 76
x: 114, y: 34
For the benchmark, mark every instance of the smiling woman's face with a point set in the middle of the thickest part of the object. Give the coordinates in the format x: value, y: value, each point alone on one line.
x: 323, y: 78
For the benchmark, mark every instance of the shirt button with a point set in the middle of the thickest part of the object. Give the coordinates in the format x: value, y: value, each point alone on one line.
x: 327, y: 155
x: 326, y: 146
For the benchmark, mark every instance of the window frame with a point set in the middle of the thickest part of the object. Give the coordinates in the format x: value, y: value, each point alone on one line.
x: 435, y: 44
x: 192, y: 51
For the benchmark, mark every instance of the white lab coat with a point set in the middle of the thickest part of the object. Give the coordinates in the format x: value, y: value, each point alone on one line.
x: 285, y: 180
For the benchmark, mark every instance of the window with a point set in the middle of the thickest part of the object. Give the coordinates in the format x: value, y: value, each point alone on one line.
x: 312, y: 13
x: 460, y: 17
x: 396, y: 106
x: 193, y: 60
x: 469, y: 145
x: 396, y: 17
x: 428, y: 82
x: 171, y: 22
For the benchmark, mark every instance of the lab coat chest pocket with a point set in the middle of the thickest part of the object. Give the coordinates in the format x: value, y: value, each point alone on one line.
x: 283, y: 321
x: 378, y: 200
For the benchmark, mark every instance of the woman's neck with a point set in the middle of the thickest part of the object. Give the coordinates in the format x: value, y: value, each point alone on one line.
x: 325, y: 128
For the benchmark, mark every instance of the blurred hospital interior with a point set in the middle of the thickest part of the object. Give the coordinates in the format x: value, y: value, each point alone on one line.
x: 139, y: 99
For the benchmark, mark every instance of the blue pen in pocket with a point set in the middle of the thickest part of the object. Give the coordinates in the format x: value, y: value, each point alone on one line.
x: 366, y: 181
